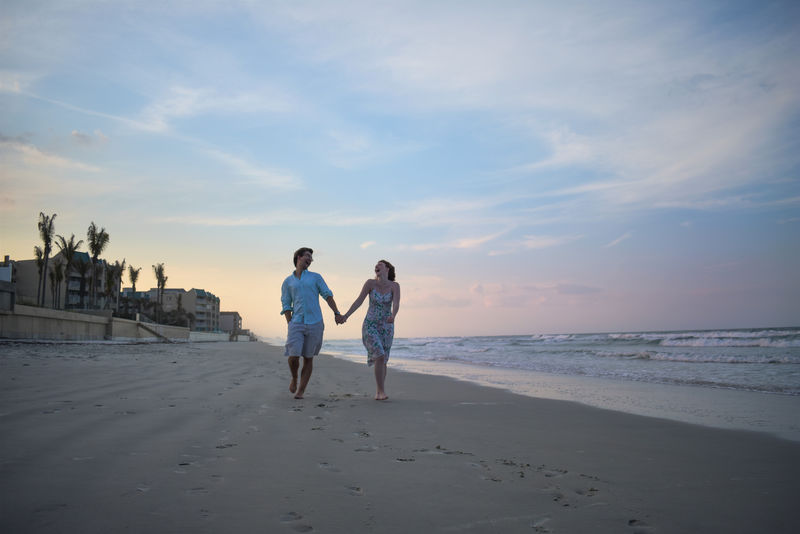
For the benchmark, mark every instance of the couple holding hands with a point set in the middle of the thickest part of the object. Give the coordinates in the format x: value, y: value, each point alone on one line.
x: 300, y: 294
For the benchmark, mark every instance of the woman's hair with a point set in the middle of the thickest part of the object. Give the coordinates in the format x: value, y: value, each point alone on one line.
x: 390, y: 267
x: 299, y: 252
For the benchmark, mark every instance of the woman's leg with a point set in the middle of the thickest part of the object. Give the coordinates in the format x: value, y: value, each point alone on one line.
x: 380, y: 378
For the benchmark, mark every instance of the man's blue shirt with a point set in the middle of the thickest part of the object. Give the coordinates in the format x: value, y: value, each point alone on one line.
x: 301, y: 297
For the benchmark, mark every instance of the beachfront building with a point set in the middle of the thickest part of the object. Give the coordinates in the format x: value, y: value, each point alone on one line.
x: 76, y: 288
x: 8, y: 286
x: 201, y: 305
x: 72, y: 292
x: 230, y: 322
x: 134, y: 302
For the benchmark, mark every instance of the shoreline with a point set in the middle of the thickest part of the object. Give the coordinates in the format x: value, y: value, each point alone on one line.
x: 770, y: 413
x: 205, y: 437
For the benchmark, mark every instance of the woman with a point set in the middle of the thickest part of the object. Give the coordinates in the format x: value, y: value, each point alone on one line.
x: 378, y: 329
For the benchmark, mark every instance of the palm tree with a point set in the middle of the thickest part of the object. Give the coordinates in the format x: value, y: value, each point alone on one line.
x: 161, y: 279
x: 56, y: 277
x: 53, y: 288
x: 39, y: 255
x: 46, y: 230
x: 133, y: 275
x: 110, y: 278
x: 97, y: 240
x: 68, y: 250
x: 83, y: 268
x: 119, y: 270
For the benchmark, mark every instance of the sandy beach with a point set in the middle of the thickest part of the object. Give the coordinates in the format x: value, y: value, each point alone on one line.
x: 207, y: 438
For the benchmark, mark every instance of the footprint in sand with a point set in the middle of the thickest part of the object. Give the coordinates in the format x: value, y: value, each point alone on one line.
x: 539, y: 525
x: 292, y: 520
x: 640, y: 527
x: 588, y: 492
x: 329, y: 467
x: 551, y: 473
x: 355, y: 491
x: 441, y: 450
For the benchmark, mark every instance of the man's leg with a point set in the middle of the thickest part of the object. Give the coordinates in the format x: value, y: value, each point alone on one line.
x: 294, y: 348
x: 312, y: 343
x: 294, y: 365
x: 305, y: 376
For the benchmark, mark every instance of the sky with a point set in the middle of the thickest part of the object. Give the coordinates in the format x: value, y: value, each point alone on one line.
x: 528, y: 167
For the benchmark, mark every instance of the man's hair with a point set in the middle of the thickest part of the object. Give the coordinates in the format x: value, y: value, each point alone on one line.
x: 299, y: 252
x: 389, y: 266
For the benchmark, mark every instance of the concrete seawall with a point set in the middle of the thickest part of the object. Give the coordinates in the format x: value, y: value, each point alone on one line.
x: 30, y: 322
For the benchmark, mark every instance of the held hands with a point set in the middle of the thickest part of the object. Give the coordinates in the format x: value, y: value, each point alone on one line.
x: 341, y: 319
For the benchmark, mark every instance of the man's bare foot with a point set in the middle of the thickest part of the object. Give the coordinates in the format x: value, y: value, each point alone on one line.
x: 299, y: 395
x: 381, y: 396
x: 293, y: 385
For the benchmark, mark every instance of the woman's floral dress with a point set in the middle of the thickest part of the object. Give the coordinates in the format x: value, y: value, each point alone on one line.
x: 376, y: 333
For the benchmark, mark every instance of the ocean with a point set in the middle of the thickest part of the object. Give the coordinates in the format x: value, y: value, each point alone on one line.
x: 758, y: 359
x: 740, y: 378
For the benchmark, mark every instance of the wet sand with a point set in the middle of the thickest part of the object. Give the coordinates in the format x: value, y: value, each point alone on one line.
x: 207, y: 438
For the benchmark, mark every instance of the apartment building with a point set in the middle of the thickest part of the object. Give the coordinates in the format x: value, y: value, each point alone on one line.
x: 230, y: 322
x: 73, y: 293
x: 202, y: 304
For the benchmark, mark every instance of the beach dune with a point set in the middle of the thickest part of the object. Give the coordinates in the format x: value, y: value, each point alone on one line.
x: 207, y: 438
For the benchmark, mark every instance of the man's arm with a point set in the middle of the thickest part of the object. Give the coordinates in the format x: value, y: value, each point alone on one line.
x: 286, y: 302
x: 332, y: 304
x: 327, y: 294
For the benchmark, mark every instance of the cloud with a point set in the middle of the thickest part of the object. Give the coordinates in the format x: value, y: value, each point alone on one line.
x: 367, y: 244
x: 576, y: 289
x: 508, y: 295
x: 88, y: 139
x: 13, y: 82
x: 30, y: 155
x: 534, y: 242
x: 461, y: 243
x: 350, y: 142
x: 184, y: 102
x: 434, y: 300
x: 255, y: 175
x: 517, y: 295
x: 620, y: 239
x: 566, y: 149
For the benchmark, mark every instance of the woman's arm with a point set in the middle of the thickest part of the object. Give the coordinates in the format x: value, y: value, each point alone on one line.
x: 364, y: 292
x: 395, y: 302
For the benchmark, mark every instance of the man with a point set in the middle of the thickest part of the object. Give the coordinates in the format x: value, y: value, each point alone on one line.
x: 300, y: 294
